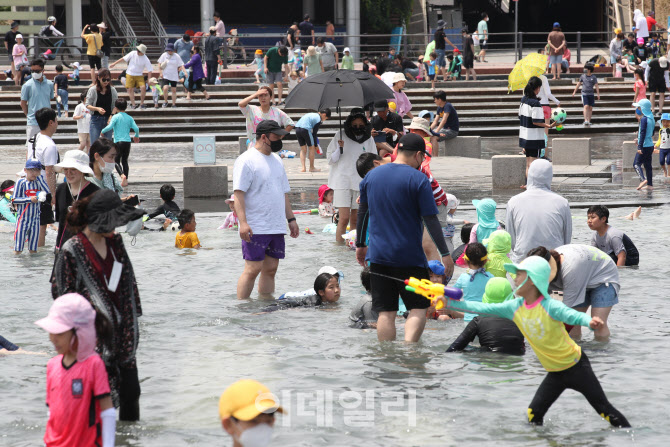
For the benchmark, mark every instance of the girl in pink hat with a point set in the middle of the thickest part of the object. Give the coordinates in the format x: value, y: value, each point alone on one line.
x: 231, y: 222
x: 76, y: 378
x: 326, y: 208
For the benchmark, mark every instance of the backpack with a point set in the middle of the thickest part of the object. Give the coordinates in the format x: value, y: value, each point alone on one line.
x: 46, y: 31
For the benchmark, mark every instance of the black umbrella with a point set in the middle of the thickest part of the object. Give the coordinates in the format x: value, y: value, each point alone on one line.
x: 338, y: 88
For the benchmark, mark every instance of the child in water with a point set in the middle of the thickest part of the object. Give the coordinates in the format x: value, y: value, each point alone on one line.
x: 27, y: 192
x: 231, y: 222
x: 473, y: 282
x: 326, y: 208
x: 663, y: 144
x: 608, y: 239
x: 168, y: 208
x: 498, y: 246
x: 486, y: 220
x: 540, y: 319
x: 186, y: 238
x: 449, y: 230
x: 78, y: 394
x: 326, y: 291
x: 7, y: 211
x: 362, y: 315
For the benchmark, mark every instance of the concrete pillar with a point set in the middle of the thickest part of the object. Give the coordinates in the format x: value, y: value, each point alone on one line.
x: 339, y: 12
x: 207, y: 15
x: 354, y: 27
x: 74, y: 23
x: 308, y: 8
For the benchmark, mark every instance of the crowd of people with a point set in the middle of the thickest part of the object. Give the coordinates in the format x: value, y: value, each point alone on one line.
x: 381, y: 195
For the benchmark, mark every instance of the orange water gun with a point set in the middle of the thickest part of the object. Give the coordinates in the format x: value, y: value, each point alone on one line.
x: 432, y: 291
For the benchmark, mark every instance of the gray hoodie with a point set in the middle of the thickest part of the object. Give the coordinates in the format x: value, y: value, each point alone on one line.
x: 538, y: 216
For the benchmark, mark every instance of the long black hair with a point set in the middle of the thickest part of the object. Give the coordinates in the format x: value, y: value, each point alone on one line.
x: 321, y: 282
x: 533, y: 84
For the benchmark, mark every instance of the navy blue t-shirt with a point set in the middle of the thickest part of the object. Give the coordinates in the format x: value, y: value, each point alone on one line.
x: 398, y: 196
x: 452, y: 120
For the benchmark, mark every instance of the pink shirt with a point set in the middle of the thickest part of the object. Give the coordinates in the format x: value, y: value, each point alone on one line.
x: 70, y: 394
x: 402, y: 103
x: 18, y: 59
x: 220, y: 29
x: 641, y: 90
x: 231, y: 222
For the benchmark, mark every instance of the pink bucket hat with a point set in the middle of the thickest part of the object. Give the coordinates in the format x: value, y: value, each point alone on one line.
x: 72, y: 311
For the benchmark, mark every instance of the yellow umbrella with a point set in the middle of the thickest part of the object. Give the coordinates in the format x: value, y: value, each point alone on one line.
x: 535, y: 64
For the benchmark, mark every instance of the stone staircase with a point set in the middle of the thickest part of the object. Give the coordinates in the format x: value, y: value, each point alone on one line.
x: 142, y: 28
x: 484, y: 109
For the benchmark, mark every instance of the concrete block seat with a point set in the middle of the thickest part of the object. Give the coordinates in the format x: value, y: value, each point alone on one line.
x: 462, y: 147
x: 292, y: 145
x: 508, y: 171
x: 205, y: 181
x: 571, y: 151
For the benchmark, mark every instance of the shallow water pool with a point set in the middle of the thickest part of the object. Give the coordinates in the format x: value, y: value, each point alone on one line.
x: 340, y: 386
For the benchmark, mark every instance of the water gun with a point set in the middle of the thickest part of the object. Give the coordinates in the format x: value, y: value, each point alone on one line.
x: 308, y: 231
x: 312, y: 211
x: 432, y: 290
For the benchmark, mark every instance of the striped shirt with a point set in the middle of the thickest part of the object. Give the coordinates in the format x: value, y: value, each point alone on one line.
x: 438, y: 193
x: 530, y: 135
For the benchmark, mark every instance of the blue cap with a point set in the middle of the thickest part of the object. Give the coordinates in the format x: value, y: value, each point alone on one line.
x: 665, y: 116
x: 31, y: 163
x: 436, y: 267
x: 557, y: 25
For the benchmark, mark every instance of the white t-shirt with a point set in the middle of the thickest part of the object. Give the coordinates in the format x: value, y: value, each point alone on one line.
x: 264, y: 182
x: 84, y: 123
x: 45, y: 151
x: 137, y: 64
x: 254, y: 115
x: 171, y: 70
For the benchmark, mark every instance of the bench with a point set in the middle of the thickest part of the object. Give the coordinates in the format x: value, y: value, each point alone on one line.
x: 571, y: 151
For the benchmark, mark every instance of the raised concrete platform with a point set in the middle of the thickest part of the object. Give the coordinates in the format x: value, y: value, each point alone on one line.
x: 508, y: 171
x: 205, y: 181
x: 470, y: 147
x: 629, y: 149
x: 571, y: 151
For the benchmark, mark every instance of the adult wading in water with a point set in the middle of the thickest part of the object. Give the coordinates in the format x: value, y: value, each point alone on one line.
x: 94, y: 263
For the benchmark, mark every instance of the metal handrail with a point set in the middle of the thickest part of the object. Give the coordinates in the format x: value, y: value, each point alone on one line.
x: 120, y: 18
x: 154, y: 22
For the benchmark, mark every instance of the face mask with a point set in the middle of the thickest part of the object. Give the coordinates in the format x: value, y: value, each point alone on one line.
x: 275, y: 146
x: 107, y: 168
x: 358, y: 130
x: 133, y: 227
x: 36, y: 76
x: 258, y: 436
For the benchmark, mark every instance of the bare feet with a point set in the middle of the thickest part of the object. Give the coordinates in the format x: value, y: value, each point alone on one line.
x: 629, y: 216
x: 642, y: 185
x: 649, y: 188
x: 303, y: 170
x: 314, y: 170
x: 522, y: 186
x: 637, y: 212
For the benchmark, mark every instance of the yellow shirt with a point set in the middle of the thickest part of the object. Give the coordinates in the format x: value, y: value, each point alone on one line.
x: 186, y: 240
x: 91, y: 40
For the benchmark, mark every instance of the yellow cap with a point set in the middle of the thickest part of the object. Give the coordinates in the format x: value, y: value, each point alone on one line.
x: 246, y: 399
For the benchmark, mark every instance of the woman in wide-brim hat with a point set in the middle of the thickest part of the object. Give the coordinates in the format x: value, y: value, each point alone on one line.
x: 75, y: 166
x: 95, y: 264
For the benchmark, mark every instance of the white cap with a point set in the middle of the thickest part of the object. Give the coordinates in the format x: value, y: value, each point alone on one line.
x: 18, y: 36
x: 330, y: 269
x: 399, y: 77
x: 347, y: 49
x: 75, y: 159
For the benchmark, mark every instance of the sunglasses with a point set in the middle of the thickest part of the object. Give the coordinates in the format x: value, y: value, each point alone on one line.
x: 105, y: 80
x: 36, y: 71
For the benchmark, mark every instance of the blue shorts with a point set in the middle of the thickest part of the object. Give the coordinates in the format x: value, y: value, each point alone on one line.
x: 605, y: 295
x: 264, y: 244
x: 556, y: 59
x: 664, y: 156
x: 440, y: 58
x: 588, y: 100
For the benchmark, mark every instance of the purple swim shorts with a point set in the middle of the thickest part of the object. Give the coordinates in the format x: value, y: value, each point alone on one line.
x: 264, y: 244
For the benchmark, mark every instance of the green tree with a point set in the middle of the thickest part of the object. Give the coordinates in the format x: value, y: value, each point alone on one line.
x: 377, y: 14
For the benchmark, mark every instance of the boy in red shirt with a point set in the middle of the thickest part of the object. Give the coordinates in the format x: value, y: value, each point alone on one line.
x: 76, y: 378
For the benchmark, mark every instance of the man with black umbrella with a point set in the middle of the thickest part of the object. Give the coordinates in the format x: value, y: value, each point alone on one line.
x: 396, y: 202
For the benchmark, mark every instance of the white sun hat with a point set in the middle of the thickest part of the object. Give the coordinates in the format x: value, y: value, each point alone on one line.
x: 75, y: 159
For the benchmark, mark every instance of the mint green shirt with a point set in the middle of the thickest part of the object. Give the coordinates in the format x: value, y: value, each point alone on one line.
x: 347, y: 63
x: 121, y: 125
